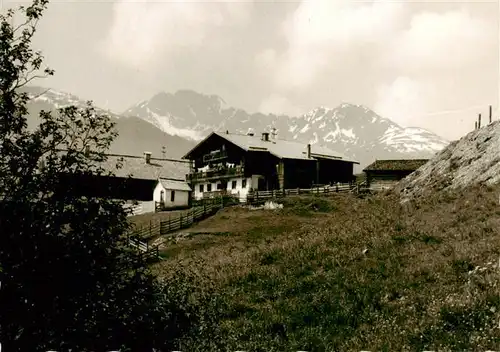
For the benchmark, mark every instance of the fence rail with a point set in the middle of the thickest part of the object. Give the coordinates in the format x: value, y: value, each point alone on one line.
x: 144, y: 250
x: 187, y: 218
x: 207, y: 207
x: 138, y: 209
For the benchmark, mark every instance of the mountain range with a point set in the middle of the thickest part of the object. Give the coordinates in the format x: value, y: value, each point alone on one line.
x: 178, y: 120
x: 353, y: 130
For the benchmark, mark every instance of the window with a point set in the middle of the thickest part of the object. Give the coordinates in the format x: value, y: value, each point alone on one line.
x: 209, y: 187
x: 201, y: 188
x: 233, y: 184
x: 219, y: 186
x: 162, y: 195
x: 172, y: 196
x: 244, y: 183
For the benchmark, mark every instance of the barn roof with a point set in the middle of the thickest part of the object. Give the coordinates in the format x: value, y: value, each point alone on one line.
x: 396, y: 165
x: 136, y: 167
x: 177, y: 185
x: 280, y: 148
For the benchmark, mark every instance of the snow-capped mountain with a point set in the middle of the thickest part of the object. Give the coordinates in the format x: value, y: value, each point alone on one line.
x: 135, y: 135
x: 353, y: 130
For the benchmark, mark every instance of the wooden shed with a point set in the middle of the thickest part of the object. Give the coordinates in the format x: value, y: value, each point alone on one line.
x: 384, y: 174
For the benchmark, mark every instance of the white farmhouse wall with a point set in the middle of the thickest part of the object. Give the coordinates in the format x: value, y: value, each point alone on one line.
x: 255, y: 181
x: 181, y: 198
x: 156, y: 192
x: 237, y: 191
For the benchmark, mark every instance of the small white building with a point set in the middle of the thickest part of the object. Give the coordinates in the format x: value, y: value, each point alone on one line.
x: 172, y: 193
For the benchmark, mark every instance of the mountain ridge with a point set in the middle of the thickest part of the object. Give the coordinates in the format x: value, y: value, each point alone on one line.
x: 353, y: 129
x: 135, y: 135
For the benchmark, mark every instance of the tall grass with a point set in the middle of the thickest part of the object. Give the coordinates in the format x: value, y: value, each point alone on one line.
x: 352, y: 274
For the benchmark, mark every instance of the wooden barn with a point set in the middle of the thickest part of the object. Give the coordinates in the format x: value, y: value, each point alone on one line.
x: 237, y: 163
x: 135, y: 180
x: 172, y: 194
x: 384, y: 174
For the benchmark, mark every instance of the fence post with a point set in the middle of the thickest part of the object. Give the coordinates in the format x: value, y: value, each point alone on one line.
x: 180, y: 220
x: 298, y: 190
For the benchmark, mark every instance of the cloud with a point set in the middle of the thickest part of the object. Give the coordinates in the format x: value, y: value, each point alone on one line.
x: 440, y: 41
x: 144, y: 33
x: 403, y: 100
x: 278, y: 104
x: 318, y: 32
x: 412, y: 54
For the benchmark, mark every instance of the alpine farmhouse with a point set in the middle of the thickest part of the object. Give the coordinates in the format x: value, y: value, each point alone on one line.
x: 236, y: 164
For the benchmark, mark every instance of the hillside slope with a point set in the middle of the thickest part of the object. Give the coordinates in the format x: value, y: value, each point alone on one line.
x: 344, y: 274
x: 135, y: 135
x: 355, y: 130
x: 473, y: 159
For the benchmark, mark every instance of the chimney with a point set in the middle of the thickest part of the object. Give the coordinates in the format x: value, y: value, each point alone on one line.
x: 273, y: 133
x: 491, y: 113
x: 475, y: 125
x: 265, y: 136
x: 227, y: 131
x: 309, y: 151
x: 147, y: 156
x: 479, y: 122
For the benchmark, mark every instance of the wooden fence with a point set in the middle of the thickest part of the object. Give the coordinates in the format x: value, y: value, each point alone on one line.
x: 208, y: 207
x: 144, y: 250
x: 262, y: 196
x: 187, y: 218
x: 141, y: 208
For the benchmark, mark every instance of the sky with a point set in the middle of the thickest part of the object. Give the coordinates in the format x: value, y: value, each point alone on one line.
x: 429, y: 64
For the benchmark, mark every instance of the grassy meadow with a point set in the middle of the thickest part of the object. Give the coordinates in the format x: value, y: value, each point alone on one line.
x: 341, y: 272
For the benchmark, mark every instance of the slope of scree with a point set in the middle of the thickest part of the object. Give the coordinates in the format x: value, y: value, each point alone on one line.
x: 474, y: 159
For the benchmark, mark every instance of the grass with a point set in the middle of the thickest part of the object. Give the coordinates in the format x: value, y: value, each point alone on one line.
x: 344, y: 273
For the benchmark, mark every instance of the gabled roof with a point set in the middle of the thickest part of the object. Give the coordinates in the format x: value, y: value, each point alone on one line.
x: 396, y: 165
x: 280, y: 148
x: 137, y: 168
x: 177, y: 185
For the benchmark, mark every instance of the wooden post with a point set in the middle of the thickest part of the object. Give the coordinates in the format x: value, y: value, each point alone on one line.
x: 475, y: 125
x: 150, y: 230
x: 337, y: 187
x: 298, y: 190
x: 491, y: 113
x: 479, y: 122
x: 180, y: 220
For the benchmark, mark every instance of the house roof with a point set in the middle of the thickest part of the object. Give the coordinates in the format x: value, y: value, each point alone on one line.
x: 177, y: 185
x: 137, y: 168
x: 396, y: 165
x: 280, y: 148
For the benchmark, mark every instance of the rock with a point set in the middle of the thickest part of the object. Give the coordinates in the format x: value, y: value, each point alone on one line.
x: 473, y: 159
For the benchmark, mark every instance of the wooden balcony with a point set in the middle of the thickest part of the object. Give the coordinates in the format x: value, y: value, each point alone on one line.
x: 216, y: 174
x: 216, y: 156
